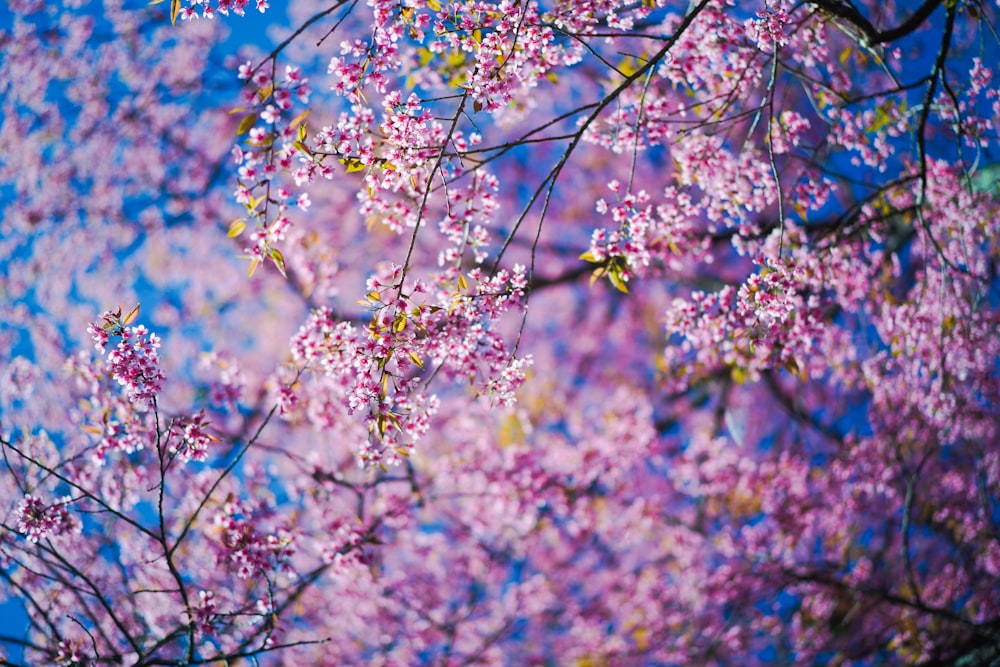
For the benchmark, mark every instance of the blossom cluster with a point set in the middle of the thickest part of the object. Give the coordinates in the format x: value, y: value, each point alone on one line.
x: 206, y: 9
x: 378, y: 371
x: 117, y: 436
x: 768, y: 29
x: 37, y: 521
x: 134, y: 362
x: 228, y: 382
x: 242, y: 548
x: 269, y: 150
x: 203, y: 616
x: 193, y: 438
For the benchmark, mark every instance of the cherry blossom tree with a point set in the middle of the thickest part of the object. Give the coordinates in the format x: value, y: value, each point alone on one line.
x: 511, y: 332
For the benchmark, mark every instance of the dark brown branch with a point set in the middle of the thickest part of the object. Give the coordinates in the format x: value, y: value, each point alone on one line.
x: 874, y: 36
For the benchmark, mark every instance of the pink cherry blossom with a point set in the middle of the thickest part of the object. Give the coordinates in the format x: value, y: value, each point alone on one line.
x: 513, y: 332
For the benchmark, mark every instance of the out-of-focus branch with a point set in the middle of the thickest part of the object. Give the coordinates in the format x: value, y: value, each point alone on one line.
x: 847, y: 11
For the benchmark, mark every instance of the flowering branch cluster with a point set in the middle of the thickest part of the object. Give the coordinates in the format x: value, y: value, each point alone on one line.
x: 134, y: 363
x: 37, y: 521
x: 266, y: 201
x: 432, y: 439
x: 378, y: 371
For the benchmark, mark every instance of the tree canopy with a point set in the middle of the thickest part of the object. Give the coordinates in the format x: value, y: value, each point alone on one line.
x: 517, y: 332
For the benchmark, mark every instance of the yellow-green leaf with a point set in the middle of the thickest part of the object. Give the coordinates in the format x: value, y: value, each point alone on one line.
x: 598, y: 272
x: 434, y: 5
x: 254, y: 263
x: 246, y: 124
x: 279, y: 260
x: 416, y: 360
x: 462, y: 283
x: 424, y: 56
x: 131, y: 315
x: 511, y: 430
x: 616, y: 279
x: 297, y: 121
x: 353, y: 164
x: 589, y: 257
x: 629, y: 66
x: 175, y: 9
x: 236, y: 228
